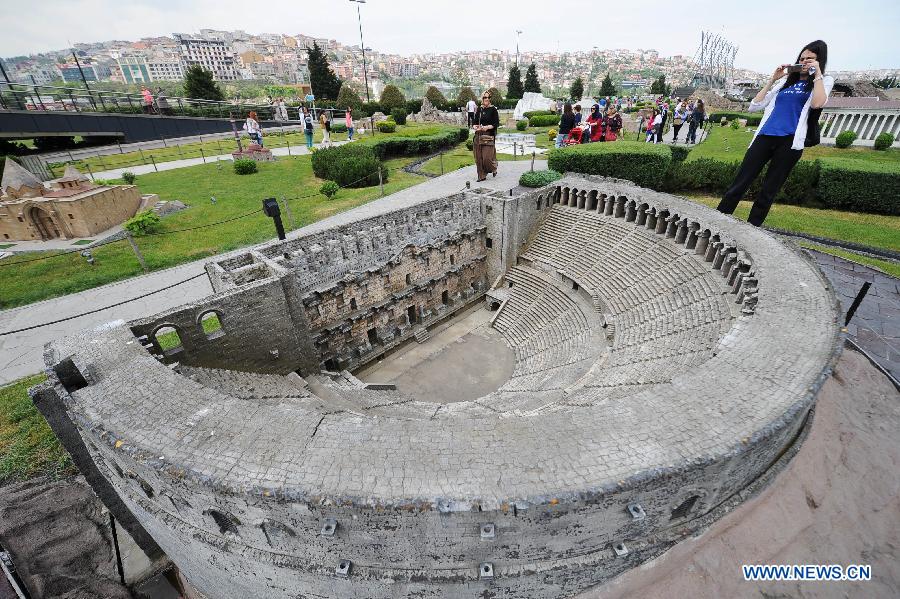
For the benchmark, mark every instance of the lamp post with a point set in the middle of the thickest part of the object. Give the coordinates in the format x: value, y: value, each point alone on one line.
x: 362, y: 46
x: 518, y: 33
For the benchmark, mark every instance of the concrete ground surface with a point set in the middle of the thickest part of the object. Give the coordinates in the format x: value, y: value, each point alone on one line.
x: 836, y: 502
x: 20, y: 353
x: 463, y: 360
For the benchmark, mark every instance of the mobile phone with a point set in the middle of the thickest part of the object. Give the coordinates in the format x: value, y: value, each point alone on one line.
x: 794, y: 68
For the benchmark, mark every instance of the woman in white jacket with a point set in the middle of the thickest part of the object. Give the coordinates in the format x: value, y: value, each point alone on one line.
x: 783, y: 131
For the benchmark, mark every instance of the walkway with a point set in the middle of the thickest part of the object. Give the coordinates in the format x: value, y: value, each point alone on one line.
x: 21, y: 353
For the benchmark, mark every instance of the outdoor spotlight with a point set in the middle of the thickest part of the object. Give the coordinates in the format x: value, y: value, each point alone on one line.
x: 87, y: 255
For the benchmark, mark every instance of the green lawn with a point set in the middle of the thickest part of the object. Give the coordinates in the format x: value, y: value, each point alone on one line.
x: 725, y: 143
x: 27, y: 445
x: 459, y: 157
x: 891, y: 268
x: 235, y: 195
x: 875, y: 230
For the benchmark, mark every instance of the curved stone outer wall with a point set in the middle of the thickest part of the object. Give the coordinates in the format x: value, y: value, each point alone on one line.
x: 275, y: 491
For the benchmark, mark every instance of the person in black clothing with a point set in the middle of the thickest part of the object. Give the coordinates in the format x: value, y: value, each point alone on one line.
x: 566, y: 124
x: 487, y: 121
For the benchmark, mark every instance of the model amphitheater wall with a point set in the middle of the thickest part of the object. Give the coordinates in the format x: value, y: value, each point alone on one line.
x: 666, y: 357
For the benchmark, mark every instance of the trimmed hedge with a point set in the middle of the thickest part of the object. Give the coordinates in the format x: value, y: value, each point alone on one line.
x: 245, y: 166
x: 845, y: 139
x: 351, y: 165
x: 521, y: 125
x: 883, y: 141
x: 425, y: 144
x: 399, y: 115
x: 859, y: 185
x: 644, y: 164
x: 543, y: 120
x: 753, y: 119
x: 532, y: 113
x: 539, y: 178
x: 387, y: 126
x: 716, y: 176
x: 338, y: 127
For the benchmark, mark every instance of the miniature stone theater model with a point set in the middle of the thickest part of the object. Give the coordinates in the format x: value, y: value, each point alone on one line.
x: 667, y: 359
x: 72, y: 207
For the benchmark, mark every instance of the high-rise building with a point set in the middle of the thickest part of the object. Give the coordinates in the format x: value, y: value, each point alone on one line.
x: 134, y: 69
x: 213, y: 55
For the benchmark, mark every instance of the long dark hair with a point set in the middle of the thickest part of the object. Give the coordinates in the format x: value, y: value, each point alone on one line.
x: 820, y: 49
x: 567, y: 108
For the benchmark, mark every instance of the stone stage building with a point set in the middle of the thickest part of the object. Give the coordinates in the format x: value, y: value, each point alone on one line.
x: 667, y: 358
x: 72, y: 207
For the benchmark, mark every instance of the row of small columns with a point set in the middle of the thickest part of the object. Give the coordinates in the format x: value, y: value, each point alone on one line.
x: 735, y: 266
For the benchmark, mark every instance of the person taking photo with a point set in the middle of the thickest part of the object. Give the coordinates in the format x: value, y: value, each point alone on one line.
x: 792, y: 101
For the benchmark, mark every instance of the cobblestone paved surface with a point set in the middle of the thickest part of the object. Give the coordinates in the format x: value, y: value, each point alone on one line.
x: 876, y: 324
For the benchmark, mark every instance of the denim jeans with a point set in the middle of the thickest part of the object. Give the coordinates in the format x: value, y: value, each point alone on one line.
x: 559, y: 139
x: 309, y: 136
x: 350, y: 133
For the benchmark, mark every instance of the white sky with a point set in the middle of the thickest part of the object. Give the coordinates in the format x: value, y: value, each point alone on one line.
x: 861, y: 35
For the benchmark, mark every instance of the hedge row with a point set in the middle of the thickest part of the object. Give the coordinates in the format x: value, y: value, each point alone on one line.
x: 543, y: 120
x: 532, y: 113
x: 843, y: 183
x: 425, y: 144
x: 753, y: 119
x: 350, y: 165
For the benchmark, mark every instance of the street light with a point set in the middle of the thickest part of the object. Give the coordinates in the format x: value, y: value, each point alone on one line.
x: 362, y: 45
x: 518, y: 33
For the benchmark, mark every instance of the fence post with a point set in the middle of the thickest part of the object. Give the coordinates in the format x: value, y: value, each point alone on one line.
x: 442, y: 162
x: 143, y: 158
x: 121, y: 151
x: 154, y: 163
x: 102, y: 164
x: 533, y: 153
x: 287, y: 208
x: 287, y: 140
x: 380, y: 181
x: 90, y: 172
x: 202, y: 155
x: 137, y: 252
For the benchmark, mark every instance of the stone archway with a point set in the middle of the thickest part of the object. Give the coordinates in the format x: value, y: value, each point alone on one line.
x: 44, y: 223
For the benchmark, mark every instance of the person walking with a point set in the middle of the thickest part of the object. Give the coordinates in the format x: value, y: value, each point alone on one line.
x: 147, y: 100
x: 791, y: 105
x: 348, y: 119
x: 664, y: 115
x: 695, y: 119
x: 471, y: 107
x: 162, y: 103
x: 487, y: 121
x: 678, y: 120
x: 654, y: 121
x: 566, y: 124
x: 307, y: 119
x: 251, y: 126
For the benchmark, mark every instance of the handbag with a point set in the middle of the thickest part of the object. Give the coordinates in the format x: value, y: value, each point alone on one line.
x: 678, y: 121
x: 813, y: 131
x: 485, y: 140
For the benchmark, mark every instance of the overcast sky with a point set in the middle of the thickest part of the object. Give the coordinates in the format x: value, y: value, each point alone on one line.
x: 861, y: 34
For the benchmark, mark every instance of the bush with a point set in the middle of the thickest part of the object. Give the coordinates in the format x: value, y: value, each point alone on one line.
x: 392, y: 98
x: 387, y: 126
x: 521, y: 125
x: 644, y: 164
x: 329, y: 189
x: 128, y: 178
x: 753, y: 119
x: 506, y: 103
x: 551, y: 134
x: 845, y: 139
x: 679, y: 153
x: 884, y: 141
x: 245, y: 166
x: 425, y: 144
x: 539, y: 178
x: 716, y: 176
x: 437, y: 99
x: 859, y: 185
x: 470, y: 144
x: 399, y: 115
x: 370, y: 108
x: 544, y: 120
x: 413, y: 106
x: 351, y: 165
x: 532, y: 113
x: 338, y: 127
x: 735, y: 124
x: 142, y: 223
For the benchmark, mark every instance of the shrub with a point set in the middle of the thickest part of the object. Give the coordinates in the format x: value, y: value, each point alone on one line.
x: 539, y: 178
x: 128, y: 178
x: 392, y: 98
x: 716, y: 176
x: 338, y: 127
x: 413, y: 106
x: 544, y: 120
x: 644, y: 164
x: 859, y: 185
x: 142, y: 223
x: 884, y: 141
x: 506, y: 103
x: 387, y: 126
x: 424, y: 144
x: 735, y: 124
x: 845, y: 139
x: 470, y: 144
x: 551, y: 134
x: 532, y: 113
x: 351, y: 165
x: 437, y: 99
x: 329, y: 189
x: 521, y: 125
x: 399, y: 115
x: 753, y: 119
x: 679, y: 153
x: 245, y: 166
x: 370, y: 108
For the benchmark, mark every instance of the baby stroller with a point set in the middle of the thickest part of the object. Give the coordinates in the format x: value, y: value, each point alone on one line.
x: 575, y: 135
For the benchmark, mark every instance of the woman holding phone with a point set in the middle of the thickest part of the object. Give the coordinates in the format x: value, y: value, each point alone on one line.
x: 792, y: 101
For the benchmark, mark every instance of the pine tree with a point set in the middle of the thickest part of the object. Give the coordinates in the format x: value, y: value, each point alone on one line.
x: 607, y: 88
x: 198, y: 83
x: 437, y: 99
x: 514, y: 89
x: 465, y: 94
x: 531, y: 80
x: 348, y: 97
x: 577, y: 90
x: 325, y: 84
x: 659, y: 87
x: 391, y: 98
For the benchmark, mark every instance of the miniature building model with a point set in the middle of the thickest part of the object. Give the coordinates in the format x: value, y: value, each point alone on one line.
x: 666, y: 360
x: 72, y: 206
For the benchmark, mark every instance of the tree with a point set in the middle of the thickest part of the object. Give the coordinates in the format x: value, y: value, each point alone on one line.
x: 437, y: 99
x: 514, y: 89
x: 531, y: 80
x: 577, y: 89
x: 198, y: 83
x: 325, y: 84
x: 391, y: 98
x: 607, y: 88
x: 465, y: 94
x: 659, y: 87
x: 886, y: 82
x: 496, y: 96
x: 348, y: 97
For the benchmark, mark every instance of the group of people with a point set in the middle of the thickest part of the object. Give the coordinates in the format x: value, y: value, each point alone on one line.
x: 600, y: 125
x: 157, y: 105
x: 254, y: 130
x: 686, y: 112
